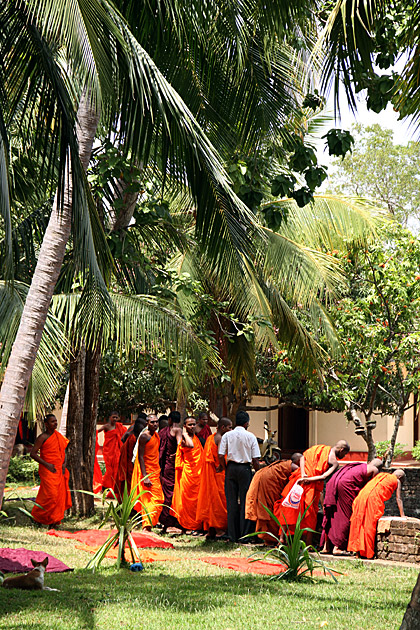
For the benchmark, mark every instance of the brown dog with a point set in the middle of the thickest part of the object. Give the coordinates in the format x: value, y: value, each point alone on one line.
x: 34, y: 580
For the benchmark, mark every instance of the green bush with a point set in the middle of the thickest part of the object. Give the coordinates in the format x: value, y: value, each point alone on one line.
x: 416, y: 450
x: 382, y: 447
x: 22, y: 468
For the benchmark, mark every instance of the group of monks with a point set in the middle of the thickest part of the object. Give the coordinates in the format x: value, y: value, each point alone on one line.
x: 179, y: 482
x: 175, y: 471
x: 355, y: 497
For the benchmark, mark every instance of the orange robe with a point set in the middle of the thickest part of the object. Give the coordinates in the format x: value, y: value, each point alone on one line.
x: 316, y: 463
x: 53, y: 494
x: 97, y: 472
x: 111, y: 452
x: 266, y: 487
x: 125, y: 467
x: 368, y: 507
x: 151, y: 502
x: 211, y: 502
x: 188, y: 463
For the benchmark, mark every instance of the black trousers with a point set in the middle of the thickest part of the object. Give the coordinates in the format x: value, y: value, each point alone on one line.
x: 237, y: 480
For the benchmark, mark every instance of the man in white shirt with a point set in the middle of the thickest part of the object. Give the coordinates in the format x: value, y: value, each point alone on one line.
x: 241, y: 448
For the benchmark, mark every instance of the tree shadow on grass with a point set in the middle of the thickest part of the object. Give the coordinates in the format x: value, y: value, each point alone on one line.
x: 83, y: 594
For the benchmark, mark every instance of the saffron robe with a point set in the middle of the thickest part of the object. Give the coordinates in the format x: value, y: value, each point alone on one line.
x: 316, y: 463
x: 188, y: 464
x: 150, y: 502
x: 111, y: 452
x: 204, y: 434
x: 368, y: 507
x: 211, y: 502
x: 125, y: 467
x: 53, y: 494
x: 97, y: 472
x: 340, y: 492
x: 167, y: 453
x: 266, y: 487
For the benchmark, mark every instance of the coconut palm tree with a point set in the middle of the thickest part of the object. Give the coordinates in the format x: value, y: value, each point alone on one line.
x: 87, y: 60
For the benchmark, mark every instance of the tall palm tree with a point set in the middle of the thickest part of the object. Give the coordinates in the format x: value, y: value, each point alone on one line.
x: 96, y: 48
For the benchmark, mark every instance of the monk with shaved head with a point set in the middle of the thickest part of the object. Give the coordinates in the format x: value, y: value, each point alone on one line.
x: 342, y: 488
x: 266, y: 487
x: 317, y: 464
x: 368, y: 507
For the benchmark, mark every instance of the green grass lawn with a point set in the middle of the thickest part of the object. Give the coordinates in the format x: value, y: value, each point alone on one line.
x: 191, y: 595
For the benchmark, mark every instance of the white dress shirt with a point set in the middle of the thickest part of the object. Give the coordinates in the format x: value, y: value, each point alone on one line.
x: 240, y: 446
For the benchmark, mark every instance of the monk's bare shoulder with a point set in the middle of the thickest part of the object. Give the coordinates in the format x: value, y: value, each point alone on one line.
x: 217, y: 438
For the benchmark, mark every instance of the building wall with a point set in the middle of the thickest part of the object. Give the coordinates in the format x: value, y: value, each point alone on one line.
x: 328, y: 428
x: 257, y: 418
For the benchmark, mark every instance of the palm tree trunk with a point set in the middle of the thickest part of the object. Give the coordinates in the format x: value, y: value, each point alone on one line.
x: 83, y: 410
x: 50, y: 260
x: 411, y: 619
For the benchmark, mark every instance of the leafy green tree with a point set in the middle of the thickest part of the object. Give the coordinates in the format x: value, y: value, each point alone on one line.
x: 377, y: 322
x: 380, y: 170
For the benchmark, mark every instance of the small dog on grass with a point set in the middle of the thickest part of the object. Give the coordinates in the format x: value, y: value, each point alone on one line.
x: 33, y: 581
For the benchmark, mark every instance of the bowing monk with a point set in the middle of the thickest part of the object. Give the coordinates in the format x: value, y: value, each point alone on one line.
x: 317, y: 464
x: 53, y: 495
x: 114, y: 430
x: 266, y: 487
x: 125, y: 464
x: 188, y: 463
x: 170, y: 437
x: 146, y: 474
x: 202, y: 429
x: 211, y: 503
x: 368, y: 507
x: 341, y: 490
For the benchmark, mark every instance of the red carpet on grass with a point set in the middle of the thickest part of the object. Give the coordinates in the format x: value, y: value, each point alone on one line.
x: 145, y: 556
x: 245, y: 565
x: 96, y: 537
x: 19, y: 561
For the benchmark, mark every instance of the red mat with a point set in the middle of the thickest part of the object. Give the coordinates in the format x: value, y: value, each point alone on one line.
x: 96, y: 537
x: 19, y: 561
x: 145, y: 556
x: 245, y: 565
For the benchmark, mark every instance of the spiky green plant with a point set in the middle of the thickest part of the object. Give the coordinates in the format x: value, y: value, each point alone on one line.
x: 299, y: 558
x: 122, y: 516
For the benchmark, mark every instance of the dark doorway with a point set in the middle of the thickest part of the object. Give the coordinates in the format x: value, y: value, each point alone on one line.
x: 293, y: 429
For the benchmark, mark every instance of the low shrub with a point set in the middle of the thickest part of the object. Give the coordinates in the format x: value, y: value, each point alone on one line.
x: 22, y: 468
x: 416, y: 450
x: 382, y: 447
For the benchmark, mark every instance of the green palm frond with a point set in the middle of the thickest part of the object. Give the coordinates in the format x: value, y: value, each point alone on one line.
x: 139, y: 323
x: 52, y: 355
x: 332, y: 221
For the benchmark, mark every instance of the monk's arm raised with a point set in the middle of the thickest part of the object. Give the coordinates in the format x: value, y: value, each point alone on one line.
x: 140, y: 454
x: 34, y: 453
x: 187, y: 440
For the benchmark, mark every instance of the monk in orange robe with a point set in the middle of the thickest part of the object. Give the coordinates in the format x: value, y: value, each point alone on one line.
x: 125, y: 464
x: 317, y: 464
x: 211, y: 503
x: 188, y: 464
x: 266, y: 487
x: 368, y: 507
x: 97, y: 472
x: 53, y: 495
x: 146, y: 474
x: 114, y: 431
